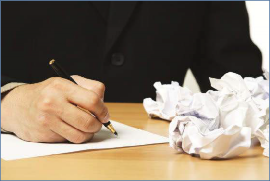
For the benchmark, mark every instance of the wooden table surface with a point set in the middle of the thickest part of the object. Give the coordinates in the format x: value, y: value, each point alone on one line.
x: 153, y: 162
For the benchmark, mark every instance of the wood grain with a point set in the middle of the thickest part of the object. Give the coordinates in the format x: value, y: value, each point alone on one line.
x: 158, y: 162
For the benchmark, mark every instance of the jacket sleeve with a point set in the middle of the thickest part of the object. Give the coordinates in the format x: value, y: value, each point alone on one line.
x: 5, y: 80
x: 225, y: 44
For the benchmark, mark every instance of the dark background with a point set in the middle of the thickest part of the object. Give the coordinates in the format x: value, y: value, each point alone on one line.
x: 127, y: 45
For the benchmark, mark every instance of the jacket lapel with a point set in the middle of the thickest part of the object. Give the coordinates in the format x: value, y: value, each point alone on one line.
x: 119, y: 14
x: 102, y: 8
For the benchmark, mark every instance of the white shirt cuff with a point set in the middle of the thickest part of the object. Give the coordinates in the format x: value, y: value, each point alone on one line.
x: 10, y: 86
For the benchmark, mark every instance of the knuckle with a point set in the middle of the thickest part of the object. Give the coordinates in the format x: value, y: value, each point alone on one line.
x: 59, y: 111
x: 78, y: 138
x: 88, y: 123
x: 56, y: 83
x: 100, y: 86
x: 98, y: 128
x: 104, y: 112
x: 94, y: 100
x: 49, y: 80
x: 43, y: 120
x: 45, y: 103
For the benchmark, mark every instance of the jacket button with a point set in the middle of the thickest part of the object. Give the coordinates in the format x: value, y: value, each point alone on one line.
x: 117, y: 59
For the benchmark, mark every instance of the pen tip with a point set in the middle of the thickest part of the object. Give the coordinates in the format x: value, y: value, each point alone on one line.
x: 116, y: 133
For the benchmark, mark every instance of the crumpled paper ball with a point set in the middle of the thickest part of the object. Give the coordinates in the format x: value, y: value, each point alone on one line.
x: 263, y: 136
x: 215, y: 124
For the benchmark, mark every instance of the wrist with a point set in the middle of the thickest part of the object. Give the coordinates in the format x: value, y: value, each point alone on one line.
x: 6, y: 90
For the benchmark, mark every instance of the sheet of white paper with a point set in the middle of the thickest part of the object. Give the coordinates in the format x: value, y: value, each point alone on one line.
x: 14, y: 148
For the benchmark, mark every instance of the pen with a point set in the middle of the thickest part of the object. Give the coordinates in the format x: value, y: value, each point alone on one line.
x: 62, y: 73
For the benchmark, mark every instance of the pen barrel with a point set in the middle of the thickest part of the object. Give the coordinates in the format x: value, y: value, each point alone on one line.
x: 60, y: 71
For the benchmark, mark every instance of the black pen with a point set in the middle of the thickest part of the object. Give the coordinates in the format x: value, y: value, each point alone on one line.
x: 62, y: 73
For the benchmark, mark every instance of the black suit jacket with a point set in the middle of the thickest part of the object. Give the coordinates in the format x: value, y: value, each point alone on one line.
x: 127, y: 45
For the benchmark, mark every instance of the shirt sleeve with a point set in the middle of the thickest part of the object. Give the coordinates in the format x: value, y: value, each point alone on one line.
x: 10, y: 86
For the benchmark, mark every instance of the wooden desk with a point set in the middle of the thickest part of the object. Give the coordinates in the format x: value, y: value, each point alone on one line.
x: 143, y: 162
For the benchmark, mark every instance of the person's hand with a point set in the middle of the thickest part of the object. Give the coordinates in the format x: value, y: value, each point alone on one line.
x: 47, y: 111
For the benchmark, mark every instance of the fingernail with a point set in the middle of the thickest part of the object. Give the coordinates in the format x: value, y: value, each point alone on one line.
x: 107, y: 117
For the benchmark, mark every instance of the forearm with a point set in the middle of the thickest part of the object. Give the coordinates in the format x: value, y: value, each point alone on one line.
x: 5, y: 89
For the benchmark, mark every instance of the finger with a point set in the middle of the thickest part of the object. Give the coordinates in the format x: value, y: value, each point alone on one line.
x: 88, y: 100
x: 93, y: 85
x: 68, y: 132
x: 48, y: 137
x: 79, y: 119
x: 54, y: 138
